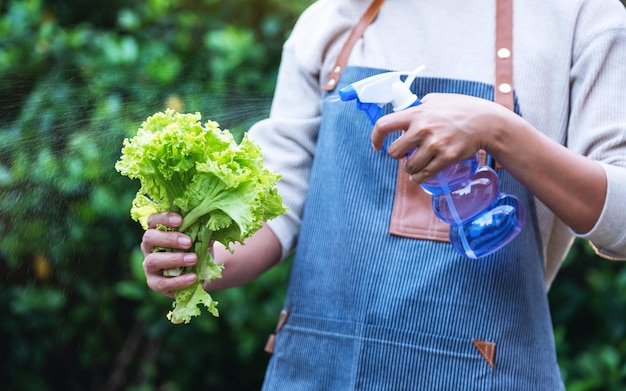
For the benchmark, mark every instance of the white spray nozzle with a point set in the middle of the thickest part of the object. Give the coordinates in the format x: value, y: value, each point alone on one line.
x: 375, y: 89
x: 401, y: 92
x: 411, y: 77
x: 384, y: 88
x: 402, y: 96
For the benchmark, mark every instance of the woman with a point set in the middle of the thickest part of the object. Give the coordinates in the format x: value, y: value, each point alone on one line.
x: 377, y: 300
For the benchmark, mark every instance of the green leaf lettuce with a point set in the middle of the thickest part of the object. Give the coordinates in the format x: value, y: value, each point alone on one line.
x: 221, y: 189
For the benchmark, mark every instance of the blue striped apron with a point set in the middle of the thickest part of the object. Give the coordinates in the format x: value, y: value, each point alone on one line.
x: 373, y: 311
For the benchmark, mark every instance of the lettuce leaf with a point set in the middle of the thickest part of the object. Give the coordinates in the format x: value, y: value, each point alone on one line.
x: 221, y: 188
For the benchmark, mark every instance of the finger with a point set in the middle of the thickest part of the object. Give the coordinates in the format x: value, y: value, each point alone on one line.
x: 168, y: 219
x: 426, y: 163
x: 155, y: 263
x: 153, y: 238
x: 407, y: 145
x: 168, y: 285
x: 388, y: 124
x: 418, y: 160
x: 426, y: 172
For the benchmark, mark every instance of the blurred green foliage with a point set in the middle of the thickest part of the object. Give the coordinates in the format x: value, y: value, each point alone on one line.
x: 588, y: 299
x: 75, y: 79
x: 78, y: 77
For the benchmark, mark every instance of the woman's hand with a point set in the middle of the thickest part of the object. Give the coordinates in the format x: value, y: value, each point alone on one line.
x: 156, y: 262
x: 445, y: 128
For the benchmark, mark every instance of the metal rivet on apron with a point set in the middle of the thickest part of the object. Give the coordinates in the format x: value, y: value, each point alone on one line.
x: 504, y: 53
x: 505, y: 88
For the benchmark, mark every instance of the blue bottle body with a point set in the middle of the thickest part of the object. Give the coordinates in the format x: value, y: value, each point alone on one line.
x: 482, y: 219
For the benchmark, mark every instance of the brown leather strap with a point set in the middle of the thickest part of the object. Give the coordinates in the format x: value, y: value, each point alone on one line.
x: 355, y: 35
x: 503, y: 86
x: 503, y: 93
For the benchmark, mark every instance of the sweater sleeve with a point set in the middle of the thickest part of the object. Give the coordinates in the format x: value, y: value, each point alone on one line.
x: 598, y: 116
x: 288, y: 138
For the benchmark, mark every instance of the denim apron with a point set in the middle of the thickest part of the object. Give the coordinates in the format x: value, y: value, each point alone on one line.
x: 373, y: 311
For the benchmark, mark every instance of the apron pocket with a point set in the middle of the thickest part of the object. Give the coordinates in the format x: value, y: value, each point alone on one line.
x: 409, y: 361
x: 350, y: 356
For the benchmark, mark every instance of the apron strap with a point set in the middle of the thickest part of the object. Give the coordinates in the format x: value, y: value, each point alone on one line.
x: 503, y: 86
x: 355, y: 35
x: 503, y: 93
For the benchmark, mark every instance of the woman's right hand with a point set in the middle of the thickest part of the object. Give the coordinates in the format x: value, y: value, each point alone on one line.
x: 155, y: 262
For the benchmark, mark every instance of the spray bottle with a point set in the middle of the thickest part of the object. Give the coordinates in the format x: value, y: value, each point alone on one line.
x: 466, y: 194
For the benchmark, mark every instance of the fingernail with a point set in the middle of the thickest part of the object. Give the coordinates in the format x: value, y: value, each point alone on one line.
x: 184, y: 241
x: 189, y: 277
x: 175, y: 220
x: 189, y: 259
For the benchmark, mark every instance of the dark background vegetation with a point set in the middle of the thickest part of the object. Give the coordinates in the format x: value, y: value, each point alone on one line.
x: 76, y: 77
